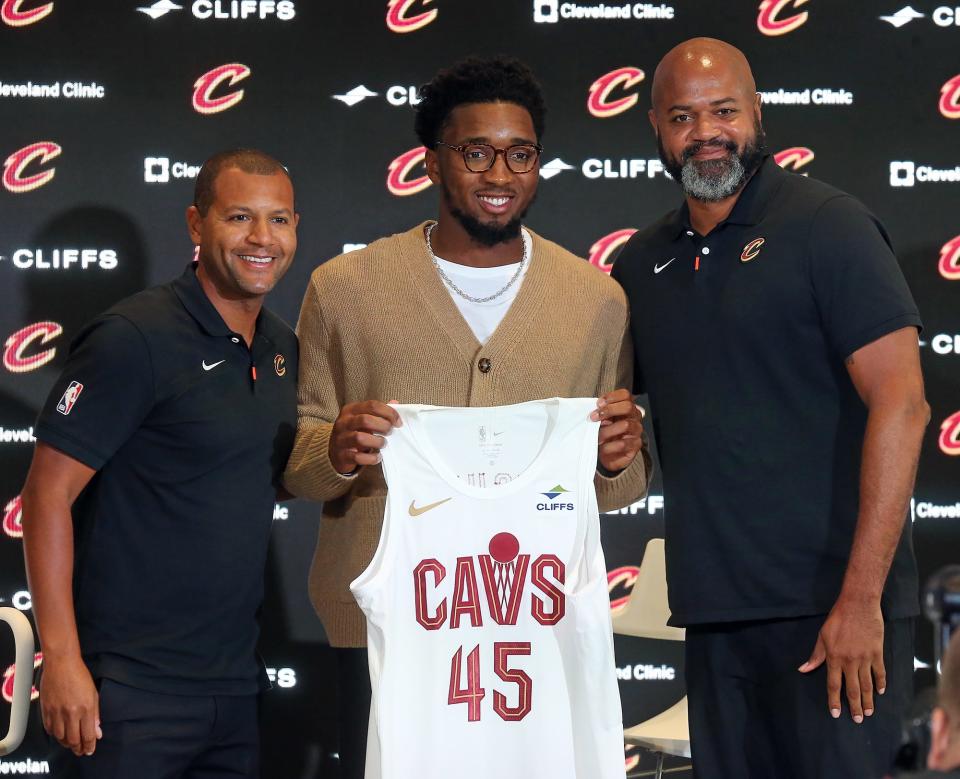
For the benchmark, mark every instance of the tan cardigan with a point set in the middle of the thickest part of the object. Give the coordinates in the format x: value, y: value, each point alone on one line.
x: 379, y: 323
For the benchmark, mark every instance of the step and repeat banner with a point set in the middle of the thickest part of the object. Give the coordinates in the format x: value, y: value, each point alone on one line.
x: 108, y: 108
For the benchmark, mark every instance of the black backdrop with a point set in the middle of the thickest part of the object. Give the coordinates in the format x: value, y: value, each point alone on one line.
x: 107, y: 108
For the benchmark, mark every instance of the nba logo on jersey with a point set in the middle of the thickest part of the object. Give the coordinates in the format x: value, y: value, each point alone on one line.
x: 488, y: 619
x: 69, y: 397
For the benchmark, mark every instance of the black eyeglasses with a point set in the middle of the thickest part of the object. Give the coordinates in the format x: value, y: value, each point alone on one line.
x: 480, y: 157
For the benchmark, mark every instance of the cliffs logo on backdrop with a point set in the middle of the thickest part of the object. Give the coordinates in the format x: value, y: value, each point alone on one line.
x: 159, y: 170
x: 555, y: 167
x: 7, y: 689
x: 601, y: 104
x: 402, y: 16
x: 942, y: 16
x: 775, y: 19
x: 950, y: 435
x: 949, y: 265
x: 18, y: 353
x: 400, y: 182
x: 623, y: 169
x: 604, y: 249
x: 14, y: 15
x: 794, y: 158
x: 204, y: 87
x: 13, y: 518
x: 284, y: 10
x: 16, y: 177
x: 950, y: 98
x: 906, y: 173
x: 620, y: 582
x: 64, y: 259
x: 396, y: 95
x: 552, y: 11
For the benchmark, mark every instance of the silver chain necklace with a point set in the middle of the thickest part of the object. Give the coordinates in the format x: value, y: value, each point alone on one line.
x: 460, y: 292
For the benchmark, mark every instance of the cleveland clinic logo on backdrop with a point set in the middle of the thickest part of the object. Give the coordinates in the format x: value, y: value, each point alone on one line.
x: 14, y: 14
x: 778, y: 17
x: 906, y: 173
x: 209, y: 95
x: 69, y: 90
x: 256, y: 10
x: 160, y: 170
x: 554, y: 11
x: 20, y: 169
x: 819, y: 96
x: 941, y: 16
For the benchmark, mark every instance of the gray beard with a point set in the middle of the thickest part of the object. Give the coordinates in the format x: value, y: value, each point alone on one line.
x: 712, y: 180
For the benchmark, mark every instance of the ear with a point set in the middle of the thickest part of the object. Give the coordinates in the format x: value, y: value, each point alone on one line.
x: 432, y: 163
x: 939, y: 740
x: 653, y: 122
x: 194, y: 222
x: 757, y: 106
x: 296, y: 220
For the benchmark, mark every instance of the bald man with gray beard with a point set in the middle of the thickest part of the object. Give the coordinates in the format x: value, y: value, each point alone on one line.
x: 777, y: 339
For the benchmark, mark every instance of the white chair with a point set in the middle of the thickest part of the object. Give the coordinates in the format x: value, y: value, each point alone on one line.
x: 23, y: 678
x: 645, y: 616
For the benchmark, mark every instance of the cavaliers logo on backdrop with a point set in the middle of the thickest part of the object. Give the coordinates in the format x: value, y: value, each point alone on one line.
x: 950, y: 435
x: 402, y: 16
x: 775, y: 18
x: 399, y: 179
x: 8, y: 681
x: 204, y: 87
x: 603, y: 250
x: 15, y: 15
x: 950, y: 98
x: 18, y: 354
x: 620, y: 583
x: 794, y: 158
x: 601, y: 104
x: 950, y: 259
x: 17, y: 178
x: 13, y: 518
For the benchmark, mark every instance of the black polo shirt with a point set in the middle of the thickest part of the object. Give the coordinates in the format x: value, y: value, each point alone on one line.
x: 758, y: 424
x: 189, y: 431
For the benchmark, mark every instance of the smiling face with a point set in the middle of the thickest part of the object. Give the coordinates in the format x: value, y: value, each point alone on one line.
x: 489, y: 206
x: 706, y: 115
x: 248, y: 236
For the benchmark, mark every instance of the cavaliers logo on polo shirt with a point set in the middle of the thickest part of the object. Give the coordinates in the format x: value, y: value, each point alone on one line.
x: 752, y: 249
x: 280, y: 364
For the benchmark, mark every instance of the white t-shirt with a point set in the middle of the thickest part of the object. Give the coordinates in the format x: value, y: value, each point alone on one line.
x: 484, y: 318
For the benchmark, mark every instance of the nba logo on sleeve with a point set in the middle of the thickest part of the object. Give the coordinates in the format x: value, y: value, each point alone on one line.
x: 70, y: 396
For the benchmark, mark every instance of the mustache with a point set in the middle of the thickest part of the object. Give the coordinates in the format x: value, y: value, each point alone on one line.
x: 697, y: 146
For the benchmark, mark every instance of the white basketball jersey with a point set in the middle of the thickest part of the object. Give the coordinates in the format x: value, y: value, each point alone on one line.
x: 488, y: 618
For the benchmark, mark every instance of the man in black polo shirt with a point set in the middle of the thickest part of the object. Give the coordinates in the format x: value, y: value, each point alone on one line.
x: 165, y: 437
x: 777, y: 340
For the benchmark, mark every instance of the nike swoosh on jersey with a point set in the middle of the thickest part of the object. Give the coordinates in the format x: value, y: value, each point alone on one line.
x: 658, y: 268
x: 416, y: 512
x: 211, y: 367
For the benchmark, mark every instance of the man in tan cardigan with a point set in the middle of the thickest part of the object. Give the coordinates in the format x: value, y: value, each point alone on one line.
x: 470, y: 310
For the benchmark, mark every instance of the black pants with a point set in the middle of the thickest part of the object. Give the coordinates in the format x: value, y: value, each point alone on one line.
x: 754, y: 716
x: 353, y: 694
x: 148, y: 735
